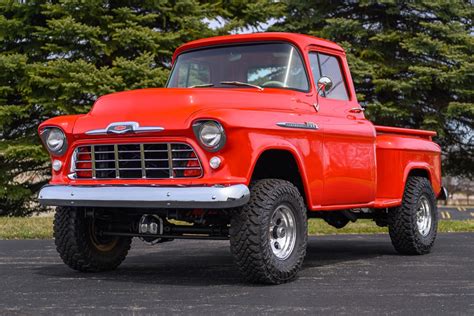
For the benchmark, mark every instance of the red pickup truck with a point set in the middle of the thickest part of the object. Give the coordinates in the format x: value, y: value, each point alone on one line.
x: 252, y: 135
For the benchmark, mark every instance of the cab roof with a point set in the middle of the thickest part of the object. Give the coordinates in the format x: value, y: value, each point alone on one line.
x: 299, y: 40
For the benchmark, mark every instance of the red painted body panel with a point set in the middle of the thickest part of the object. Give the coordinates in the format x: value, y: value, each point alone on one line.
x: 348, y: 162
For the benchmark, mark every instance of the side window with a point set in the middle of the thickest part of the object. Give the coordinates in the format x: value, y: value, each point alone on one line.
x: 314, y: 64
x: 192, y: 74
x: 328, y: 66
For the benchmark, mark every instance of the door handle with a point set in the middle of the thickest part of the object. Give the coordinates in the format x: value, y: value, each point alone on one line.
x: 356, y: 110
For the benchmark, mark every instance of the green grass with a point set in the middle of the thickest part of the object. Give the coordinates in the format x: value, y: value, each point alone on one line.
x: 26, y: 227
x: 42, y: 227
x: 366, y: 226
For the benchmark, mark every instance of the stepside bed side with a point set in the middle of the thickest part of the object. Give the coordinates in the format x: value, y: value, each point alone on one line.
x: 400, y: 153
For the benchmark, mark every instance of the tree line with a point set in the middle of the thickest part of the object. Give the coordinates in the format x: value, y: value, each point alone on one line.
x: 412, y: 63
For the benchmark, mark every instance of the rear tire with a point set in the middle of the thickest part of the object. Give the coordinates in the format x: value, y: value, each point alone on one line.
x: 268, y: 235
x: 413, y: 225
x: 81, y: 247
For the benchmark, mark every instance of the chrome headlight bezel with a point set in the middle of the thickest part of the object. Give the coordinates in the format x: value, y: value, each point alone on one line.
x: 210, y: 144
x: 55, y: 141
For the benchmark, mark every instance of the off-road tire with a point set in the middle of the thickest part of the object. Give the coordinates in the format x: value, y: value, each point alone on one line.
x: 402, y: 220
x: 249, y: 233
x: 75, y: 245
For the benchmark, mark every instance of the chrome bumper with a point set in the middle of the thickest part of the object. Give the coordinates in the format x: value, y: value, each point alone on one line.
x: 145, y: 196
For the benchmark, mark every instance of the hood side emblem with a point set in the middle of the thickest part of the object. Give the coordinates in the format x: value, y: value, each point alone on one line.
x: 124, y: 128
x: 305, y: 125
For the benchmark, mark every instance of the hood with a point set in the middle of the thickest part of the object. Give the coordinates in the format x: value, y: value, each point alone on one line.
x: 176, y: 108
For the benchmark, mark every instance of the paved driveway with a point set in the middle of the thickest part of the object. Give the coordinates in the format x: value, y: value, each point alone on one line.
x: 348, y: 274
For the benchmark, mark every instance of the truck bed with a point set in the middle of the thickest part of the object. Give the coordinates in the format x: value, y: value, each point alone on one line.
x: 401, y: 152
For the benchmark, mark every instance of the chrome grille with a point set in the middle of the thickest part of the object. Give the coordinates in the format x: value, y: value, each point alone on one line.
x: 135, y: 161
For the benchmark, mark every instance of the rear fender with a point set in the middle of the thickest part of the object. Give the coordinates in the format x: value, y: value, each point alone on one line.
x: 422, y: 166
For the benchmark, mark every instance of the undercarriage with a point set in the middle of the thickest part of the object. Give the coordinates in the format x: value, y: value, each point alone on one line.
x: 154, y: 226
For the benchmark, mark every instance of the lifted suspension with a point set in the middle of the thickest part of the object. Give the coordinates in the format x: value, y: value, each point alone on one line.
x: 171, y: 231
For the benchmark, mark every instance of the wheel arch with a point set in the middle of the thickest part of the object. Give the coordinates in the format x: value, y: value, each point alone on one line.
x: 290, y: 163
x: 417, y: 169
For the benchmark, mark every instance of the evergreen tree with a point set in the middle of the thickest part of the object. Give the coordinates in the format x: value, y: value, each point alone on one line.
x: 57, y: 57
x: 412, y: 63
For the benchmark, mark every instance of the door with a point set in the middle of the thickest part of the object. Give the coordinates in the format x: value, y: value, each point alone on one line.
x: 349, y: 174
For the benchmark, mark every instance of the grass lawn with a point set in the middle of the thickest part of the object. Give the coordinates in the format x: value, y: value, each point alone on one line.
x: 367, y: 226
x: 42, y: 227
x: 26, y: 227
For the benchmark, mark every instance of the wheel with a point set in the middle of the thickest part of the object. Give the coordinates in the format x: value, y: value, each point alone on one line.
x: 268, y: 235
x: 413, y: 226
x: 81, y: 247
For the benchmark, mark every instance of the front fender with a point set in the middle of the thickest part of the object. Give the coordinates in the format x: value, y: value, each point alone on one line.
x: 252, y: 132
x: 270, y: 144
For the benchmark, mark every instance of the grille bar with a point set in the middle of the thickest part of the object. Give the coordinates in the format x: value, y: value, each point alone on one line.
x: 94, y: 173
x: 142, y: 160
x: 170, y: 159
x: 135, y: 161
x: 117, y: 168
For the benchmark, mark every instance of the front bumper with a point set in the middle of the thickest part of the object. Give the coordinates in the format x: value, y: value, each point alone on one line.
x: 215, y: 197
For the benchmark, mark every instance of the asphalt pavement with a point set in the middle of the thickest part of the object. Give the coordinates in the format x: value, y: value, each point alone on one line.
x: 456, y: 212
x: 346, y: 274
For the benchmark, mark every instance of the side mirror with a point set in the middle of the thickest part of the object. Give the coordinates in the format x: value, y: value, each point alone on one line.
x: 324, y: 84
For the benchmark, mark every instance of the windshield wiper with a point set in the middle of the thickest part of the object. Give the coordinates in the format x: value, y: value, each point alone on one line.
x: 202, y: 85
x: 239, y: 83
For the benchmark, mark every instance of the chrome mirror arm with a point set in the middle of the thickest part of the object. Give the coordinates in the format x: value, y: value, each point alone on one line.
x: 324, y: 84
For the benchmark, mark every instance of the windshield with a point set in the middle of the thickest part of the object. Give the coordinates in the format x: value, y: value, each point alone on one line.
x: 275, y: 65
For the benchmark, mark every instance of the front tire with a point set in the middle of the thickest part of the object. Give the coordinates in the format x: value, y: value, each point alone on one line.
x: 268, y: 235
x: 413, y: 225
x: 80, y: 245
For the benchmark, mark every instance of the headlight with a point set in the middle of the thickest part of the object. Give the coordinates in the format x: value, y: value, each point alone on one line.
x: 55, y: 140
x: 210, y: 134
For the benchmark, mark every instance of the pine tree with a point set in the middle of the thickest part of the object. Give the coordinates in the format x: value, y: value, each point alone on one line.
x: 57, y: 57
x: 412, y: 63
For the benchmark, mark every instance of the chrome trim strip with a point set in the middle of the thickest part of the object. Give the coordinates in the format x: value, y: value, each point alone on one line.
x: 215, y: 197
x: 146, y: 129
x: 305, y: 125
x: 131, y: 127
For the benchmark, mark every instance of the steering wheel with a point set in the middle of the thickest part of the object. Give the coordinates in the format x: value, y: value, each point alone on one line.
x: 273, y: 83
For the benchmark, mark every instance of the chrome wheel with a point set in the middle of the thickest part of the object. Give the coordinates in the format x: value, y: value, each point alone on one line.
x: 282, y: 233
x: 423, y: 216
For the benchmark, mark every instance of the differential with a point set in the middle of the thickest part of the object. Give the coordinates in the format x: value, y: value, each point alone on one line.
x: 150, y: 225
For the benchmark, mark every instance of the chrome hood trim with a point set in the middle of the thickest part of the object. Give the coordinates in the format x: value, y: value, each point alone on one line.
x: 123, y: 128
